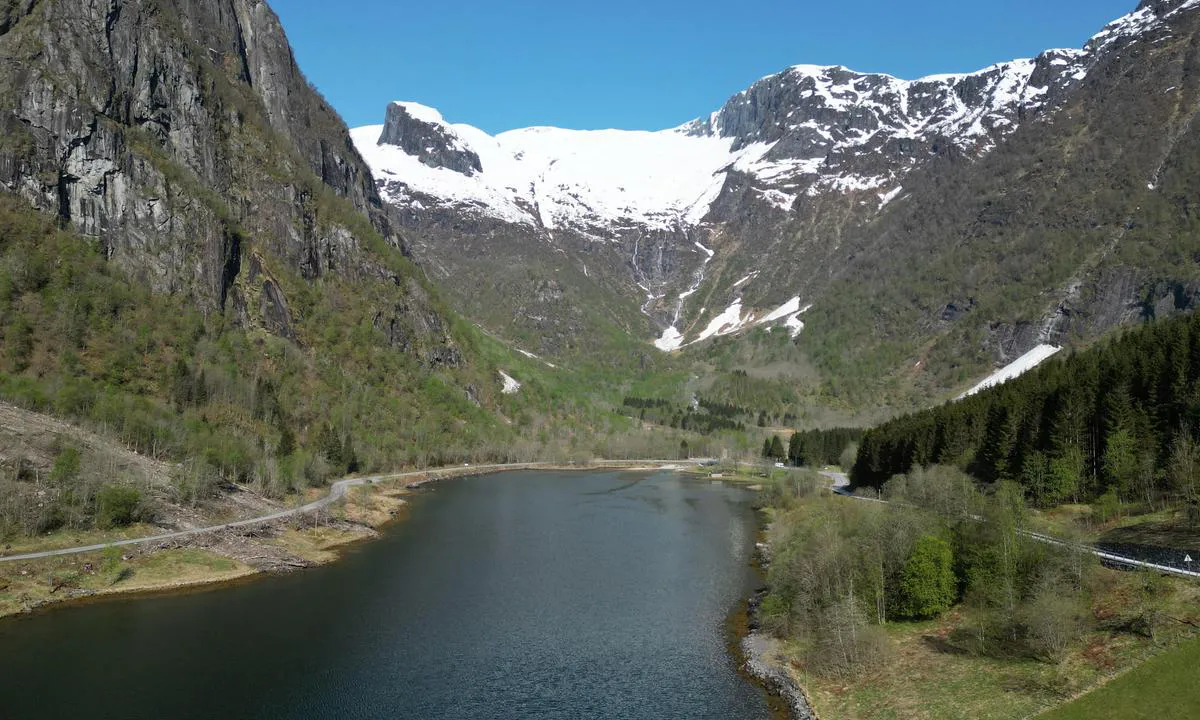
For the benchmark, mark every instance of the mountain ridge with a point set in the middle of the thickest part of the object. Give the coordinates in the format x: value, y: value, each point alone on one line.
x: 809, y: 135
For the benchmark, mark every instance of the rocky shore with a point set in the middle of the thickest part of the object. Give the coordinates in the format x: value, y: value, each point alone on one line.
x: 762, y: 656
x: 764, y: 662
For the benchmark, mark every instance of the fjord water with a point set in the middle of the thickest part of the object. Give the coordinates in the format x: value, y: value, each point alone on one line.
x: 521, y: 595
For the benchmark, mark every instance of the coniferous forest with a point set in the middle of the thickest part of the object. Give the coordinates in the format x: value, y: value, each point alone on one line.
x: 1116, y: 423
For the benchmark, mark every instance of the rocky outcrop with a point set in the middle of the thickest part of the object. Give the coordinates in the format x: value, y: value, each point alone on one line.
x: 427, y: 141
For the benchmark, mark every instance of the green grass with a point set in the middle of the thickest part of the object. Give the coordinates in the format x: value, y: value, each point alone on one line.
x: 1162, y: 688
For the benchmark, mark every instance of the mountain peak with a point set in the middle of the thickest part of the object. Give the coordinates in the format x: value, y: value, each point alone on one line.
x: 421, y: 132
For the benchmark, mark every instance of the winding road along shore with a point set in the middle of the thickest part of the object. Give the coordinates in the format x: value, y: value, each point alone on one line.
x: 841, y: 486
x: 337, y: 491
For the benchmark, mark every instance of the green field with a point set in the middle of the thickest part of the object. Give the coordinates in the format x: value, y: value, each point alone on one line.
x: 1165, y: 687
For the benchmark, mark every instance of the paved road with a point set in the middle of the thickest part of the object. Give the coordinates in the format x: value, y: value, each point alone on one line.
x: 841, y: 482
x: 336, y: 492
x: 841, y: 486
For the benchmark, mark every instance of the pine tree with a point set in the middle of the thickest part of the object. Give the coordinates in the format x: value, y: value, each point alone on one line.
x: 777, y: 451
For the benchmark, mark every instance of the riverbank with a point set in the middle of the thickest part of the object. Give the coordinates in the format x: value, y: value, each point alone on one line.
x: 208, y: 559
x: 762, y: 656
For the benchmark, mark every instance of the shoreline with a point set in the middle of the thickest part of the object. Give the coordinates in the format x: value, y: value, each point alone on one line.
x: 320, y: 551
x: 755, y: 651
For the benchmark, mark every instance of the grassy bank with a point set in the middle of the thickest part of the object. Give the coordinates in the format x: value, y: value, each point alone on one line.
x: 29, y: 586
x: 221, y: 558
x: 1163, y: 687
x: 926, y: 676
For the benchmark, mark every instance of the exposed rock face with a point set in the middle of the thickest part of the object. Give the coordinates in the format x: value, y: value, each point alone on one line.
x: 179, y: 134
x: 427, y: 141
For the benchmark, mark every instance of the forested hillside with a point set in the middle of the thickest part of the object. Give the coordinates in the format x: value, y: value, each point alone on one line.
x: 1117, y: 422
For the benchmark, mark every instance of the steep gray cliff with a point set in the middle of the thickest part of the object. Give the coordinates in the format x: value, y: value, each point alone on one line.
x: 181, y: 135
x: 428, y: 142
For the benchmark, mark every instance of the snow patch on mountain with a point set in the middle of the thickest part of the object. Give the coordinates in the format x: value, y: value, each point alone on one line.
x: 1015, y: 369
x: 671, y: 339
x: 732, y: 320
x: 511, y: 385
x: 789, y: 313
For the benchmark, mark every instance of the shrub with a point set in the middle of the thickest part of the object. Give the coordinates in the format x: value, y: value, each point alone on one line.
x: 927, y: 586
x: 1053, y: 619
x: 117, y: 506
x: 66, y: 466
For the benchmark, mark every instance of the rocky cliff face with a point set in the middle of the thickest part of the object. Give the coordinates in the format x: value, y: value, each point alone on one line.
x: 182, y: 136
x: 427, y: 141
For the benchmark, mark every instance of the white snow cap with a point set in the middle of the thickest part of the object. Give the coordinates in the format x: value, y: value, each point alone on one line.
x: 554, y: 178
x: 563, y: 178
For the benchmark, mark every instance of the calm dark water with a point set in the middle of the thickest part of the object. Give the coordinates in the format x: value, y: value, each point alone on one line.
x: 523, y: 595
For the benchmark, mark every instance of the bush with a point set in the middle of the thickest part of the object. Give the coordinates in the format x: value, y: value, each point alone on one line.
x: 196, y: 481
x: 773, y: 615
x: 927, y: 586
x: 1053, y: 619
x: 66, y: 466
x: 844, y: 645
x: 782, y: 490
x: 118, y: 506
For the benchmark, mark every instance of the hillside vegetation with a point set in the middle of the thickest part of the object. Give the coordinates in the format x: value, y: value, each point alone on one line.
x: 83, y: 342
x: 937, y: 606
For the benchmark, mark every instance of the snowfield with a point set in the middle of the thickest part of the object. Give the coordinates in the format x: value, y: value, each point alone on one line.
x: 732, y: 320
x: 554, y: 178
x: 1015, y: 369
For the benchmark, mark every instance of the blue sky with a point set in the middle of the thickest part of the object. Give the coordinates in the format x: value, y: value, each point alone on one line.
x: 644, y: 64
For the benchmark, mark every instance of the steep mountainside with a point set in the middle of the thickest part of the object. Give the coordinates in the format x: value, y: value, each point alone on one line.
x: 823, y: 187
x: 213, y: 276
x: 182, y: 136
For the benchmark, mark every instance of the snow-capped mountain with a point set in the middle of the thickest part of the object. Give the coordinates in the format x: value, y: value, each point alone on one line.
x: 547, y: 177
x: 808, y: 129
x: 720, y: 224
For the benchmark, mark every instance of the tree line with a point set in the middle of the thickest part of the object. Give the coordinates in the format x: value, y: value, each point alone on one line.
x: 1115, y: 424
x: 815, y: 448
